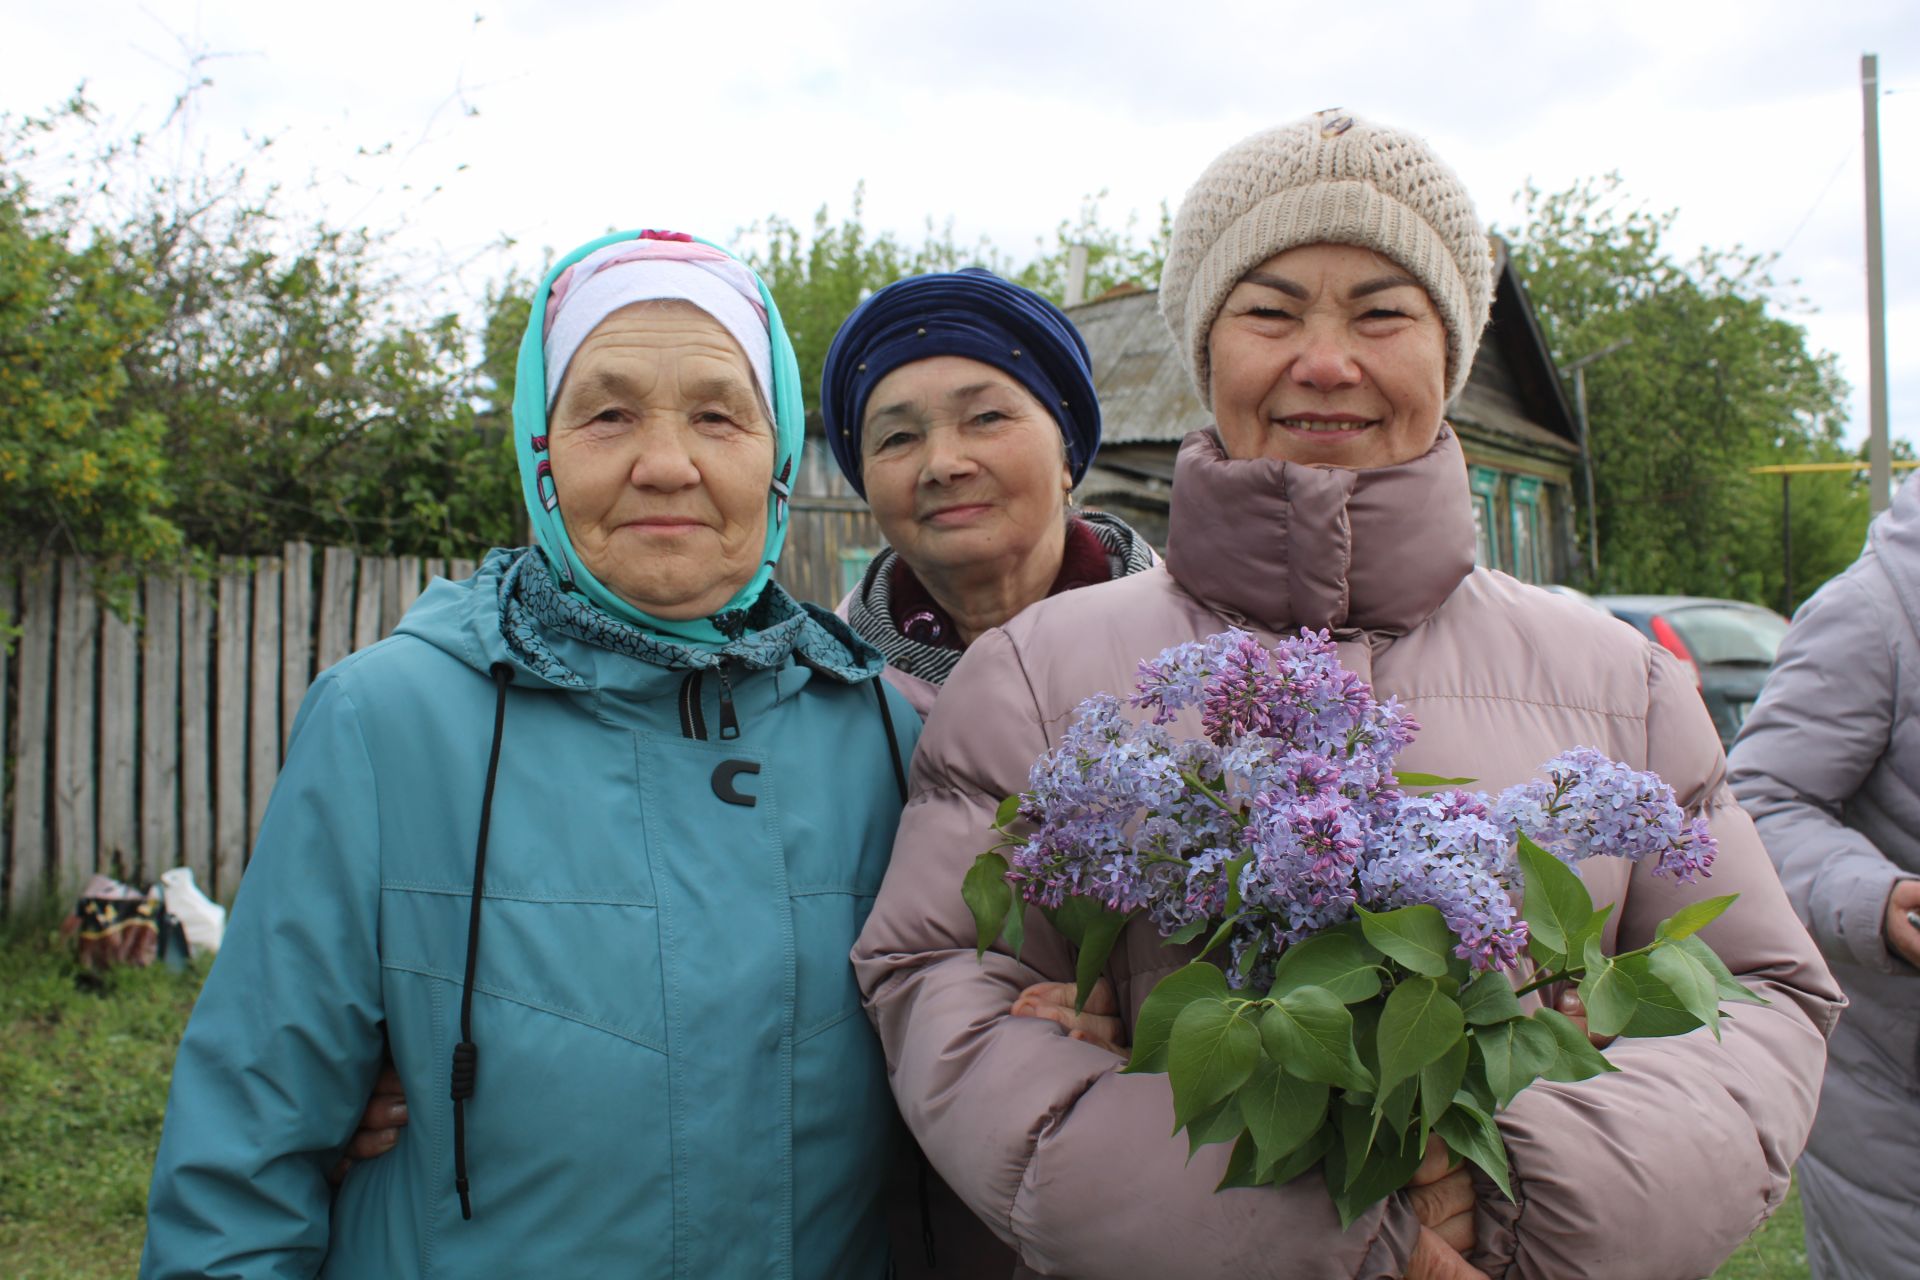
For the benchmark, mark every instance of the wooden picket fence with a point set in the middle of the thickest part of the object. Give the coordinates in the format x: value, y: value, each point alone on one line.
x: 139, y: 744
x: 144, y: 743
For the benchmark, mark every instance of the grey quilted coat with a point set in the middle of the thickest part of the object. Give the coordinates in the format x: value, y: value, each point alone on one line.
x: 1828, y: 764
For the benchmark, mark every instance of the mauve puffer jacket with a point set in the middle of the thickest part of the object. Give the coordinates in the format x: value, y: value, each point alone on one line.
x: 1658, y: 1171
x: 1828, y: 764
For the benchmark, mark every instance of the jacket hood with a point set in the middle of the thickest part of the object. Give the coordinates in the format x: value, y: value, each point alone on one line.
x: 511, y: 612
x: 1895, y: 539
x: 1286, y: 545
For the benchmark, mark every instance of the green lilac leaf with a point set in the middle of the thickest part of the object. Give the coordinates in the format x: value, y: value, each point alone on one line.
x: 1394, y: 1108
x: 1555, y: 905
x: 1009, y: 810
x: 1015, y: 929
x: 1173, y: 993
x: 1305, y: 1156
x: 1730, y: 987
x: 1592, y: 931
x: 1310, y: 1033
x: 988, y: 896
x: 1420, y: 1023
x: 1243, y: 1167
x: 1489, y: 999
x: 1693, y: 917
x: 1406, y: 781
x: 1514, y: 1055
x: 1281, y: 1111
x: 1187, y: 932
x: 1608, y: 991
x: 1690, y: 981
x: 1659, y: 1012
x: 1094, y: 949
x: 1439, y: 1081
x: 1417, y: 937
x: 1339, y: 962
x: 1574, y: 1056
x: 1384, y: 1170
x: 1211, y: 1053
x: 1473, y: 1134
x: 1221, y: 1123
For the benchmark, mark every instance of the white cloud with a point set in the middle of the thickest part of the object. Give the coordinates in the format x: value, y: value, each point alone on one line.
x: 1001, y: 114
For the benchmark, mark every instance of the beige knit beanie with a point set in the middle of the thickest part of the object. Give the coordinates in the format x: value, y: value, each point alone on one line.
x: 1330, y: 178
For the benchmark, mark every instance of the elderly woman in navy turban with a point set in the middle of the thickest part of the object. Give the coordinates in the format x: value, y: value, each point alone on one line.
x: 961, y: 407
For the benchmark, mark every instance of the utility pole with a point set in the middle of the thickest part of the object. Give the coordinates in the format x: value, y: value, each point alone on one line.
x: 1578, y: 369
x: 1880, y: 478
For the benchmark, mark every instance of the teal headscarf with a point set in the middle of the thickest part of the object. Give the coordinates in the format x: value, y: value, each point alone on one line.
x: 536, y: 481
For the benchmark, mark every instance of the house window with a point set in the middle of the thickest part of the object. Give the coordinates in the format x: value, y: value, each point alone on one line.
x: 1529, y: 542
x: 1486, y: 530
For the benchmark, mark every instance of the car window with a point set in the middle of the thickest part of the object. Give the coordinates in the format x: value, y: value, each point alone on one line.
x: 1727, y: 634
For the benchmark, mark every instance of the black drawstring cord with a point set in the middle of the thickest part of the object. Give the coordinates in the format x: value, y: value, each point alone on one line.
x: 926, y: 1171
x: 465, y: 1056
x: 893, y: 740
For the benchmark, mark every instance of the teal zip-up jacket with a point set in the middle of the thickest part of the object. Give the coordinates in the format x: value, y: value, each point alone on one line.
x: 674, y: 1075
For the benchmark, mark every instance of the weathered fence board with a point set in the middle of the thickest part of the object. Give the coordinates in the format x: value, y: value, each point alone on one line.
x: 119, y: 848
x: 366, y: 604
x: 296, y: 633
x: 27, y: 849
x: 160, y: 717
x: 263, y: 695
x: 407, y: 577
x: 336, y: 606
x: 196, y: 732
x: 230, y: 729
x: 74, y: 669
x: 138, y: 747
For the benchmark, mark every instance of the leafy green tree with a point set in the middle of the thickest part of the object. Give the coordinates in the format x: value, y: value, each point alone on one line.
x: 82, y: 465
x: 1115, y: 257
x: 1717, y: 380
x: 820, y: 274
x: 189, y: 367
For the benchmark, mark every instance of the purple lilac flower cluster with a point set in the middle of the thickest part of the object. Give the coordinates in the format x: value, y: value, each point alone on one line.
x: 1292, y: 782
x: 1591, y: 805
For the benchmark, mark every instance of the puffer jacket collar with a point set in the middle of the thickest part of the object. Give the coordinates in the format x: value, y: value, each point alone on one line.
x: 1285, y: 546
x: 1895, y: 540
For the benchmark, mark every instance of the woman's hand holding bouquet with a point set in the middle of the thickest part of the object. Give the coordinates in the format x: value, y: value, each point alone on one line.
x: 1370, y: 959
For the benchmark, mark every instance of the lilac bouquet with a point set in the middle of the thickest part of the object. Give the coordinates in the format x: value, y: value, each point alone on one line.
x: 1366, y: 992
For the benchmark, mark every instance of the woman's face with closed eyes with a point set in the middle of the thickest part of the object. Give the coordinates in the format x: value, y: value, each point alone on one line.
x: 1328, y: 355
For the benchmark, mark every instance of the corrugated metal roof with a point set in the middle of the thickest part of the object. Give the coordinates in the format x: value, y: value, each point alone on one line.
x: 1145, y: 397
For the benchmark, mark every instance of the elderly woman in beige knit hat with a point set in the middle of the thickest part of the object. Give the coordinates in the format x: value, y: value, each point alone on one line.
x: 1328, y: 284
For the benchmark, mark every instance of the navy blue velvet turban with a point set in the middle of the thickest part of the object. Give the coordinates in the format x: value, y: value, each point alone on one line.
x: 971, y: 313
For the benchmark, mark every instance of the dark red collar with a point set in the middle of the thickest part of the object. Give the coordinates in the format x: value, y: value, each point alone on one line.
x: 920, y: 618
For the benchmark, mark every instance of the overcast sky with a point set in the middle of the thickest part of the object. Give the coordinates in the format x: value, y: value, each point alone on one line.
x: 549, y: 123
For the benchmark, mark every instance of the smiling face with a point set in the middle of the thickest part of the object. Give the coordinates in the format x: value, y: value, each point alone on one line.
x: 662, y: 456
x: 1328, y: 355
x: 963, y: 467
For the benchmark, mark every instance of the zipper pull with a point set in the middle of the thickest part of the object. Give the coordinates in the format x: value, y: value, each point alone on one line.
x: 729, y: 722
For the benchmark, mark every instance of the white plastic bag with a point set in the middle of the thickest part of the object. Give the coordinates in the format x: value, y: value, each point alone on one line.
x: 204, y: 919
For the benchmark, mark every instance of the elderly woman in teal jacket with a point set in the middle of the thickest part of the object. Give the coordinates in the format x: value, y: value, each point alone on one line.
x: 583, y: 846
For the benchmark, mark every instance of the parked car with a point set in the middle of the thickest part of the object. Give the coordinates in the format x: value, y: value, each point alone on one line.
x: 1576, y: 595
x: 1729, y: 644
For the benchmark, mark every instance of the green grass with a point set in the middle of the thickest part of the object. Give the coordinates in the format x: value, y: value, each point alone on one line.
x: 83, y: 1086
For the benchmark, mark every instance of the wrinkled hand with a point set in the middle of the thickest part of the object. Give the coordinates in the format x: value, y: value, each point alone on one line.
x: 1571, y: 1005
x: 1443, y: 1199
x: 1097, y: 1024
x: 1902, y: 938
x: 380, y: 1124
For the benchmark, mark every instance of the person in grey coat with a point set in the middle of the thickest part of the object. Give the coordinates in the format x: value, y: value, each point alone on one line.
x: 1828, y: 764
